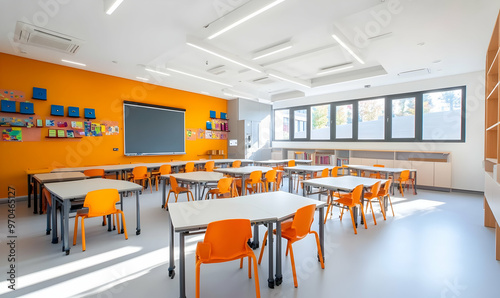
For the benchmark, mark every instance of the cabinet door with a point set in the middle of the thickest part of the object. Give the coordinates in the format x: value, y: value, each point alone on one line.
x: 369, y: 162
x: 388, y: 163
x: 442, y: 174
x: 425, y: 172
x: 355, y: 161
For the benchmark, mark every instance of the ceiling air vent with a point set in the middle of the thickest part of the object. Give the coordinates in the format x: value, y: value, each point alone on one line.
x: 263, y: 80
x: 41, y: 37
x: 218, y: 70
x: 414, y: 73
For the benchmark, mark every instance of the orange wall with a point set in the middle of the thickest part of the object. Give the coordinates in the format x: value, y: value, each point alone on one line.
x: 73, y: 87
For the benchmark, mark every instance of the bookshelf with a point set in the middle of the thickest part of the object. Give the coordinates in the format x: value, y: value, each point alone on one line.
x: 491, y: 136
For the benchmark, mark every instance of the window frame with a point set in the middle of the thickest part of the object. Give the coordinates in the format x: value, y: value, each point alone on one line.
x: 418, y: 95
x: 274, y: 127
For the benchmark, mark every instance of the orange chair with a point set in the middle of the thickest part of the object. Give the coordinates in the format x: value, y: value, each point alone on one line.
x: 372, y: 195
x: 291, y: 163
x: 226, y: 240
x: 189, y: 167
x: 164, y: 170
x: 295, y: 230
x: 350, y: 200
x: 99, y: 203
x: 254, y: 181
x: 236, y: 164
x: 94, y: 173
x: 223, y: 189
x: 140, y: 173
x: 376, y: 175
x: 385, y: 192
x: 177, y: 190
x: 335, y: 172
x: 404, y: 177
x: 209, y: 166
x: 271, y: 177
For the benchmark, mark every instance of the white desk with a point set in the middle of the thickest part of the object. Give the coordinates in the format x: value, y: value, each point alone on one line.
x: 386, y: 171
x: 64, y: 192
x: 41, y: 179
x: 244, y: 172
x: 272, y: 207
x: 198, y: 178
x: 344, y: 183
x: 303, y: 170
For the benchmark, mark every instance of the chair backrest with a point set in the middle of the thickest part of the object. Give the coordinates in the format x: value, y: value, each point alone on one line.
x: 325, y: 172
x: 224, y: 185
x: 405, y: 175
x: 140, y: 172
x: 375, y: 188
x: 173, y: 183
x: 379, y: 166
x: 387, y: 186
x: 303, y: 220
x: 46, y: 196
x: 228, y: 238
x: 189, y: 167
x: 291, y: 163
x: 271, y: 176
x: 101, y: 202
x: 94, y: 173
x: 356, y: 194
x: 255, y: 176
x: 209, y: 166
x: 236, y: 164
x: 335, y: 172
x: 165, y: 169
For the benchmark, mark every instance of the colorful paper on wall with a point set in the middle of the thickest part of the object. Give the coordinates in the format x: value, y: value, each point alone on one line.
x: 52, y: 133
x: 12, y: 134
x: 223, y: 136
x: 39, y: 122
x: 62, y: 124
x: 201, y: 133
x: 61, y: 133
x: 190, y: 134
x: 87, y: 128
x: 208, y: 134
x: 20, y: 122
x: 70, y: 134
x: 12, y: 95
x: 49, y: 123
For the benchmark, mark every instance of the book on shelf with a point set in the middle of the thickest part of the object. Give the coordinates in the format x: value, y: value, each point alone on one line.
x: 342, y: 161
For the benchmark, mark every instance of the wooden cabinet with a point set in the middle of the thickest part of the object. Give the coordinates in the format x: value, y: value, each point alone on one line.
x: 425, y: 172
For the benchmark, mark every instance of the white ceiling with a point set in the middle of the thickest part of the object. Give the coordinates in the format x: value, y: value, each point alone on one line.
x: 447, y: 36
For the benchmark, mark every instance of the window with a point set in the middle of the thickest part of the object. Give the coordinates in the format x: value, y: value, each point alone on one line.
x: 343, y: 121
x: 442, y: 115
x: 371, y: 119
x: 300, y: 124
x: 320, y: 122
x: 282, y: 124
x: 403, y: 118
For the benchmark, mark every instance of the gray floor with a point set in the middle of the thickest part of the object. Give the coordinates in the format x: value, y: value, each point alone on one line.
x: 435, y: 246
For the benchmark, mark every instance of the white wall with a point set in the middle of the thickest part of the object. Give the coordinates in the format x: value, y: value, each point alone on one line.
x: 467, y: 158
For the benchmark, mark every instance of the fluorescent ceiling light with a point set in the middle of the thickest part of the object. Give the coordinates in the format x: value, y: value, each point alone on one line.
x: 111, y: 5
x: 73, y: 62
x: 272, y: 50
x: 289, y: 79
x: 331, y: 69
x: 158, y: 72
x: 344, y: 45
x: 205, y: 49
x: 141, y: 78
x: 245, y: 18
x: 238, y: 94
x: 198, y: 77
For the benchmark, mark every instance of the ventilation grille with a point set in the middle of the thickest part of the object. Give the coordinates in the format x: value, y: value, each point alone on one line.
x: 263, y: 80
x: 41, y: 37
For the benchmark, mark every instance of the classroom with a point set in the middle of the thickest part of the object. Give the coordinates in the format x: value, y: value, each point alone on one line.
x: 149, y: 147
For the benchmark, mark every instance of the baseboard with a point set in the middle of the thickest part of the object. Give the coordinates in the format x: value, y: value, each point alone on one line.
x: 18, y: 199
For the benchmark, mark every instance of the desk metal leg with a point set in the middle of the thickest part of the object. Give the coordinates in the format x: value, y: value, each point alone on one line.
x: 182, y: 266
x: 40, y: 185
x: 362, y: 207
x: 121, y: 208
x: 65, y: 227
x: 254, y: 244
x: 171, y: 267
x: 415, y: 184
x: 29, y: 190
x: 270, y: 279
x: 54, y: 220
x: 35, y: 197
x: 138, y: 211
x: 279, y: 277
x: 49, y: 216
x: 355, y: 212
x: 164, y: 193
x: 290, y: 181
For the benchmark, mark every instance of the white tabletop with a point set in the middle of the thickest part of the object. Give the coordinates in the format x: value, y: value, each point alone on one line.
x: 243, y: 170
x: 80, y: 188
x: 379, y: 169
x: 346, y: 183
x: 53, y: 177
x: 198, y: 176
x: 263, y: 207
x: 309, y: 168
